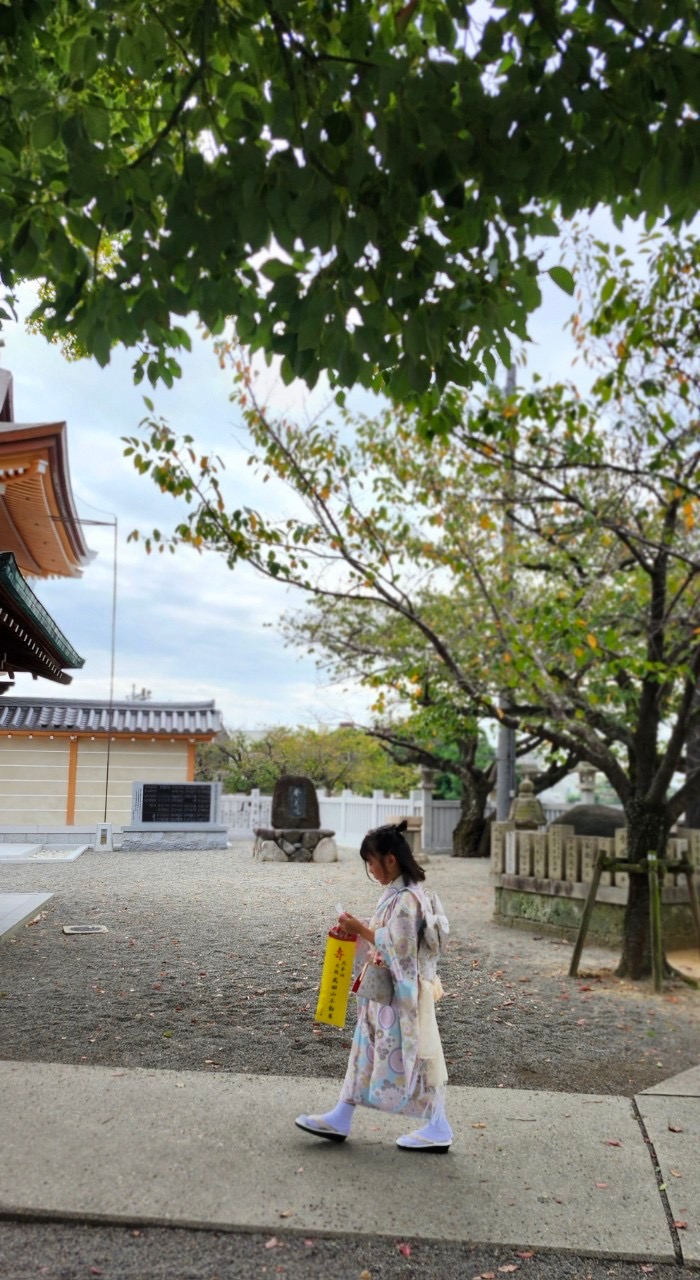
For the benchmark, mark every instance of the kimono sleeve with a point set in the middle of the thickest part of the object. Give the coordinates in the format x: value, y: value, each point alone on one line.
x: 397, y: 943
x: 362, y: 953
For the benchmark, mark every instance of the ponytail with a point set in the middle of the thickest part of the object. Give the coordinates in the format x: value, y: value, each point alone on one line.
x: 391, y: 839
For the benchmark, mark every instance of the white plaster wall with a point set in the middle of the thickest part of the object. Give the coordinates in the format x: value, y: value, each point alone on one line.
x: 135, y: 761
x: 33, y: 780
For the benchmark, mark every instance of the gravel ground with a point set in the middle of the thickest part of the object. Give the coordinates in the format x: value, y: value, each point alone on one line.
x: 211, y: 962
x: 58, y: 1251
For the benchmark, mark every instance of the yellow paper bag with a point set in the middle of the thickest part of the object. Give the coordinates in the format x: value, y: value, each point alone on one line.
x: 336, y: 979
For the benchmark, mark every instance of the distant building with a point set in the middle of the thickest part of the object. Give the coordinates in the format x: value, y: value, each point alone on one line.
x: 65, y: 761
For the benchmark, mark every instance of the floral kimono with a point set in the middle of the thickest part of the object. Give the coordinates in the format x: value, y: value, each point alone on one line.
x: 396, y: 1060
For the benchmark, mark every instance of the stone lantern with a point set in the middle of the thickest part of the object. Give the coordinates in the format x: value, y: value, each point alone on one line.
x: 427, y: 778
x: 586, y: 777
x: 526, y: 812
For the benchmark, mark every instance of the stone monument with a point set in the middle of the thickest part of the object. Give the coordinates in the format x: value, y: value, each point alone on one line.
x: 295, y: 834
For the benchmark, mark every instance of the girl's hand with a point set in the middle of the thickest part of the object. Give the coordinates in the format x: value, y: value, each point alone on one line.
x: 351, y: 924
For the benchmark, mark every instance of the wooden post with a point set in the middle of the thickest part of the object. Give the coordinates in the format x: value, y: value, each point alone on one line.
x: 72, y: 779
x: 657, y: 958
x: 693, y: 899
x: 586, y: 917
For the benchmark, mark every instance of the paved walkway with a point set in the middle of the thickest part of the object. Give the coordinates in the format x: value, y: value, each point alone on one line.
x: 17, y: 909
x: 565, y: 1172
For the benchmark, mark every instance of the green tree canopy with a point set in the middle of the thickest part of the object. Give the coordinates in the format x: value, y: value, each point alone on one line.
x: 359, y: 186
x: 418, y: 712
x: 333, y: 758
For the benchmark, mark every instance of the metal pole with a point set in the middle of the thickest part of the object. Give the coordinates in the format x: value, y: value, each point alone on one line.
x: 111, y: 667
x: 505, y: 754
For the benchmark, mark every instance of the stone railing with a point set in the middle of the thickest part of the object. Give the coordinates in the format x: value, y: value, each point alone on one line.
x: 542, y: 878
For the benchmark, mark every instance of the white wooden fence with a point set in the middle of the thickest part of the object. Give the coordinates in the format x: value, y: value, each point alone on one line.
x: 350, y: 816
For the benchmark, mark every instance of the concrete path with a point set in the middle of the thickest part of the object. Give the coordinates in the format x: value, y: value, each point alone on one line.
x: 670, y: 1112
x: 565, y: 1172
x: 17, y: 908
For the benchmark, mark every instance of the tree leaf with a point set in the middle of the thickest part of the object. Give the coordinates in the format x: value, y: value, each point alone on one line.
x: 563, y: 278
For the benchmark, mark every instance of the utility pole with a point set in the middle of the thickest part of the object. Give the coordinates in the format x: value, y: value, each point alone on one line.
x: 505, y: 776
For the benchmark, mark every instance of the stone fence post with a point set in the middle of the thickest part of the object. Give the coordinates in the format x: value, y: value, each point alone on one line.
x: 254, y: 808
x: 427, y: 782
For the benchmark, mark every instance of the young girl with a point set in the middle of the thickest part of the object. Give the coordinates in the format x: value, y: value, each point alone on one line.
x: 396, y: 1060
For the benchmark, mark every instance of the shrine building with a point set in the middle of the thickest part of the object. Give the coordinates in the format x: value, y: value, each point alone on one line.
x: 72, y: 762
x: 66, y: 762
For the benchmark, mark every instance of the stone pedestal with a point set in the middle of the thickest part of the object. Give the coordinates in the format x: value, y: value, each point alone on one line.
x: 273, y: 844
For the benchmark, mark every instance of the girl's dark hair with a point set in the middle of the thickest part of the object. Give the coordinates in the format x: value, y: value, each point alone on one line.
x: 385, y: 840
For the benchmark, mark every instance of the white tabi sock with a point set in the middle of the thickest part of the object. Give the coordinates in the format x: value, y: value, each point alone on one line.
x: 341, y: 1117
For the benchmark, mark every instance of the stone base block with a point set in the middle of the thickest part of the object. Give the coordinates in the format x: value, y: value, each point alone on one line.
x: 326, y: 850
x: 268, y: 851
x: 561, y: 916
x: 135, y: 839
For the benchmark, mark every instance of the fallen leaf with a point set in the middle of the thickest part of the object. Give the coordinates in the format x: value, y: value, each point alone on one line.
x: 674, y: 1128
x: 509, y: 1266
x: 365, y: 1275
x: 286, y: 1213
x: 272, y: 1243
x: 675, y: 1173
x: 405, y: 1249
x: 480, y: 1125
x: 309, y: 1243
x: 681, y: 1225
x: 136, y: 1232
x: 602, y: 1185
x: 524, y: 1253
x: 612, y: 1142
x: 488, y: 1275
x: 646, y: 1266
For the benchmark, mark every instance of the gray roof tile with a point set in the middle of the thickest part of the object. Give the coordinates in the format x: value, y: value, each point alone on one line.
x: 181, y: 719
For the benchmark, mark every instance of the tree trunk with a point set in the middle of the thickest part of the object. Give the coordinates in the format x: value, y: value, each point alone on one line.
x: 467, y: 837
x: 647, y: 831
x: 692, y: 809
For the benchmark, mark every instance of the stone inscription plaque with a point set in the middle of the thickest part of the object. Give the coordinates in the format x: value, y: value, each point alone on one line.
x: 166, y: 802
x: 295, y: 804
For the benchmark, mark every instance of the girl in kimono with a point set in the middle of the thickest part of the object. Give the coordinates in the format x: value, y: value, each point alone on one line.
x: 396, y: 1060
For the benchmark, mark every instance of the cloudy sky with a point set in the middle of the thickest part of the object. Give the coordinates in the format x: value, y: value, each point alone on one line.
x: 186, y: 626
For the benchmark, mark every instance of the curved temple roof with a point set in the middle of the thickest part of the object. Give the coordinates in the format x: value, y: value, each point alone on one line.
x: 29, y: 638
x: 38, y: 518
x: 178, y: 719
